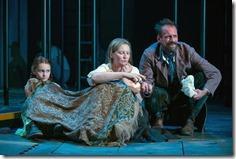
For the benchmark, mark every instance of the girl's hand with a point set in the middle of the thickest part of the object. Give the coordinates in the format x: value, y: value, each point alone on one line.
x: 30, y: 86
x: 126, y: 68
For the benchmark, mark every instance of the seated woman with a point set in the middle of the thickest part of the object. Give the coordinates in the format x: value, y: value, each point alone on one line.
x: 104, y: 114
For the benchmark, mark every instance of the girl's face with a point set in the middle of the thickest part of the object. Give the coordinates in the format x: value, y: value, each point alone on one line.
x: 121, y: 56
x: 43, y: 72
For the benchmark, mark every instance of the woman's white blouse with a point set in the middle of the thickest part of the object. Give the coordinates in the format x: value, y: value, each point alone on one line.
x: 105, y: 68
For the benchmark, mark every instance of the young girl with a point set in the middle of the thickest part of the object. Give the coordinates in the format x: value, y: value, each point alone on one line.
x: 40, y: 74
x: 107, y: 113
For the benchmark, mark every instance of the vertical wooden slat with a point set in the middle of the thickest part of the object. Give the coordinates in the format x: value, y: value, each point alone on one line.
x: 44, y: 28
x: 176, y: 11
x: 5, y: 53
x: 122, y: 17
x: 203, y: 28
x: 62, y: 40
x: 94, y: 34
x: 78, y: 44
x: 49, y: 28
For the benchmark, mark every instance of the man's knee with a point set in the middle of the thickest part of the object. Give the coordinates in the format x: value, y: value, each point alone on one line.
x: 158, y: 101
x: 199, y: 80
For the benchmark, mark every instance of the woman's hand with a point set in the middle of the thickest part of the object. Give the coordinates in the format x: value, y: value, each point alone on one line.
x: 126, y: 68
x: 135, y: 77
x: 135, y: 87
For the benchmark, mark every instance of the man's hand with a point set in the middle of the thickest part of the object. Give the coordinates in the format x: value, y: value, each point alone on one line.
x: 200, y: 94
x: 146, y: 88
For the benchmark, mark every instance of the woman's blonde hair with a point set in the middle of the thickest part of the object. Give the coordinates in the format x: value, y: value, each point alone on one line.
x: 114, y: 46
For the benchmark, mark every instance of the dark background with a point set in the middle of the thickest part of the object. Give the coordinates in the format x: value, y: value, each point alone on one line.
x: 139, y: 19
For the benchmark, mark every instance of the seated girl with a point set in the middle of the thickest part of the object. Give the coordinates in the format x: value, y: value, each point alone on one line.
x: 104, y: 114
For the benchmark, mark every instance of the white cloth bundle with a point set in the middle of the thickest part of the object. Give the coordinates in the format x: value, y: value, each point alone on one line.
x: 188, y: 86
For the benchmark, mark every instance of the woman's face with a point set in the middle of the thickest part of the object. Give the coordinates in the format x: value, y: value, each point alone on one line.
x: 43, y: 72
x: 121, y: 56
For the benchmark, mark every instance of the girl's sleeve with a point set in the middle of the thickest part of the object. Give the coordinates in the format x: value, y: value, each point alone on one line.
x: 26, y: 127
x: 30, y: 86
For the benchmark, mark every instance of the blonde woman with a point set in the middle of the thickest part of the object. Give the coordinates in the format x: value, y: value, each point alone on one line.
x: 106, y: 113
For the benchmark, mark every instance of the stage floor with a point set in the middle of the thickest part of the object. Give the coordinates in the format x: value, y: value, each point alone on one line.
x: 217, y: 141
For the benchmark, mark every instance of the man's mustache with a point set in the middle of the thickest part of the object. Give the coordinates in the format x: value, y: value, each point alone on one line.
x: 176, y: 43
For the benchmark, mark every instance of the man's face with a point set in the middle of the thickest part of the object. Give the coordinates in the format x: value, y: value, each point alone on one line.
x: 169, y: 38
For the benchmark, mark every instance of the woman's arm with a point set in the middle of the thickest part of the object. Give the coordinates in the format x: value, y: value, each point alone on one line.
x: 101, y: 77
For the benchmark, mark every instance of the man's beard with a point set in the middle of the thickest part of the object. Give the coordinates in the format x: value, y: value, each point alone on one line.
x: 171, y: 47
